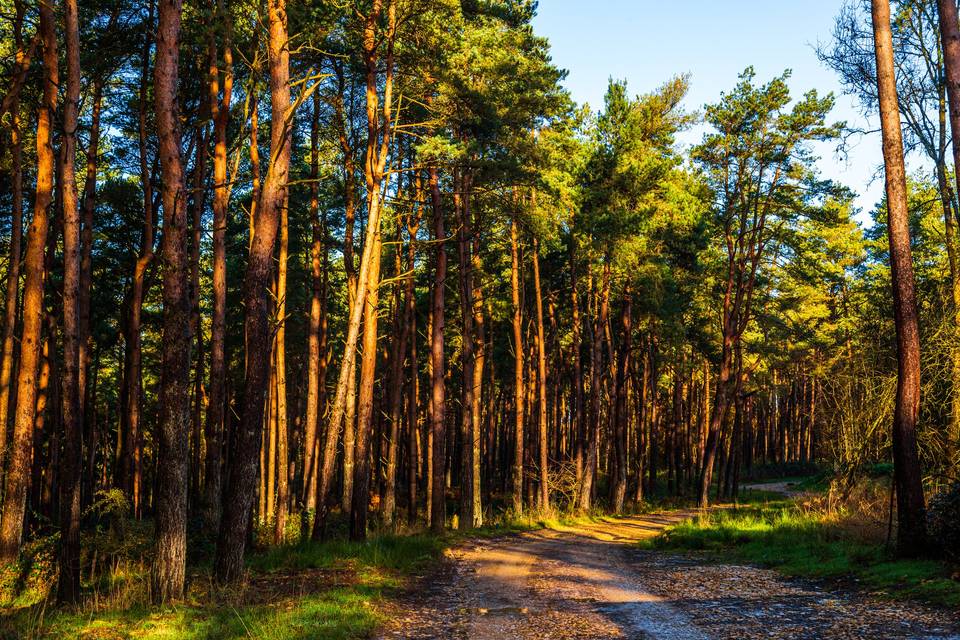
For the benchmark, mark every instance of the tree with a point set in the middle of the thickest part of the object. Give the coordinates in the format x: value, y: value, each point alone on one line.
x: 760, y: 170
x: 241, y: 484
x: 911, y: 520
x: 17, y: 480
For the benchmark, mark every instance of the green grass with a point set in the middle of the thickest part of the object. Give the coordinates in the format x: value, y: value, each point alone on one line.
x: 312, y: 590
x: 802, y: 544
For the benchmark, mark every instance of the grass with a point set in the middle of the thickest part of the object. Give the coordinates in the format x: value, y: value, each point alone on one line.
x: 308, y: 590
x: 806, y: 544
x: 311, y: 590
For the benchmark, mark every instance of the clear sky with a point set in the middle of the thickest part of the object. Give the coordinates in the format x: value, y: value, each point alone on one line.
x: 646, y: 42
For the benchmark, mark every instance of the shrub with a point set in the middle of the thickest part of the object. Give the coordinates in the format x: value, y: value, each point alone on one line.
x: 943, y: 521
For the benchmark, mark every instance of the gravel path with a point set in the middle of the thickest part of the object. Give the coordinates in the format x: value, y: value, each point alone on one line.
x: 590, y: 582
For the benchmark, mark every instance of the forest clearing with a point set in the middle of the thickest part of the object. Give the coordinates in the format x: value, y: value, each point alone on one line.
x: 372, y: 319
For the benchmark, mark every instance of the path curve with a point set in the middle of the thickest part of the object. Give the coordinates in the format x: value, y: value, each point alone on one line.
x: 591, y: 581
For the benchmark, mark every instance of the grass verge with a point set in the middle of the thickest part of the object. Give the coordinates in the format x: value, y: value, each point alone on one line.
x: 311, y: 590
x: 800, y: 543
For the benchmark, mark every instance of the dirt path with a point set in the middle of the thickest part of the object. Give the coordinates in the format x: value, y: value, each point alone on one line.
x: 590, y: 581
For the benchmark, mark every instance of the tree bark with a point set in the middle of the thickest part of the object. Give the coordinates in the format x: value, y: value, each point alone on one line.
x: 437, y: 444
x: 316, y: 370
x: 68, y: 586
x: 16, y: 240
x: 169, y: 570
x: 216, y: 405
x: 376, y: 163
x: 519, y: 392
x: 950, y: 37
x: 18, y: 473
x: 273, y: 195
x: 543, y: 500
x: 911, y: 519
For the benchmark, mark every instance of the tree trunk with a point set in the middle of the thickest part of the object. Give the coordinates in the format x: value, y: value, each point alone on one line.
x: 619, y: 490
x: 315, y: 355
x: 169, y: 570
x: 950, y: 36
x: 216, y: 405
x: 130, y: 442
x: 519, y: 392
x: 468, y: 387
x: 68, y: 587
x: 18, y: 473
x: 280, y: 350
x: 406, y: 317
x: 361, y: 479
x: 543, y: 499
x: 911, y: 519
x: 437, y: 444
x: 243, y: 477
x: 16, y: 240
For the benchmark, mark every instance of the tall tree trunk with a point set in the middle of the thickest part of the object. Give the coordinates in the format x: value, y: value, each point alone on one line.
x: 543, y: 501
x: 169, y: 571
x: 437, y: 444
x: 406, y: 317
x: 68, y: 587
x: 130, y: 442
x: 16, y: 240
x: 950, y: 37
x: 216, y: 405
x: 911, y: 519
x: 376, y: 159
x: 376, y: 163
x: 283, y: 456
x: 360, y: 498
x: 619, y: 490
x: 479, y: 358
x: 273, y: 195
x: 316, y: 371
x: 18, y: 473
x: 519, y: 392
x: 468, y: 388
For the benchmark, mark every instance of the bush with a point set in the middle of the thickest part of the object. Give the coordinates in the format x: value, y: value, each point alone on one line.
x: 943, y: 521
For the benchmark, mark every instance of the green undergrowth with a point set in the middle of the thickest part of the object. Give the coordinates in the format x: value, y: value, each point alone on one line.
x: 293, y: 592
x: 806, y: 544
x: 309, y: 590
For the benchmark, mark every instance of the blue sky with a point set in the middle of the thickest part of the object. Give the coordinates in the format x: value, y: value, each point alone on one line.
x: 646, y: 42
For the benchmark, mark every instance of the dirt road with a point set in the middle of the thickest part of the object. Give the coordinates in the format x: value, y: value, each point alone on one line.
x: 591, y: 581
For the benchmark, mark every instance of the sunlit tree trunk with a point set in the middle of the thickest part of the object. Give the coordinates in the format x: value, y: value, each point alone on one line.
x: 519, y: 391
x: 405, y: 316
x: 283, y: 456
x: 216, y: 405
x: 911, y: 519
x: 543, y: 500
x: 437, y: 442
x: 16, y: 239
x: 18, y: 473
x: 375, y: 165
x: 241, y: 484
x: 316, y: 371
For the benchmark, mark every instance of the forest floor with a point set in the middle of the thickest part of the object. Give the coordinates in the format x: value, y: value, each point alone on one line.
x: 595, y: 580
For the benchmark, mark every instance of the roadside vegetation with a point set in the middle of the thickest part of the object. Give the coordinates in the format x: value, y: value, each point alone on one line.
x: 837, y: 529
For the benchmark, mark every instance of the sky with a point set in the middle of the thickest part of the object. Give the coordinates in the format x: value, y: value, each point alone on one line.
x: 646, y: 42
